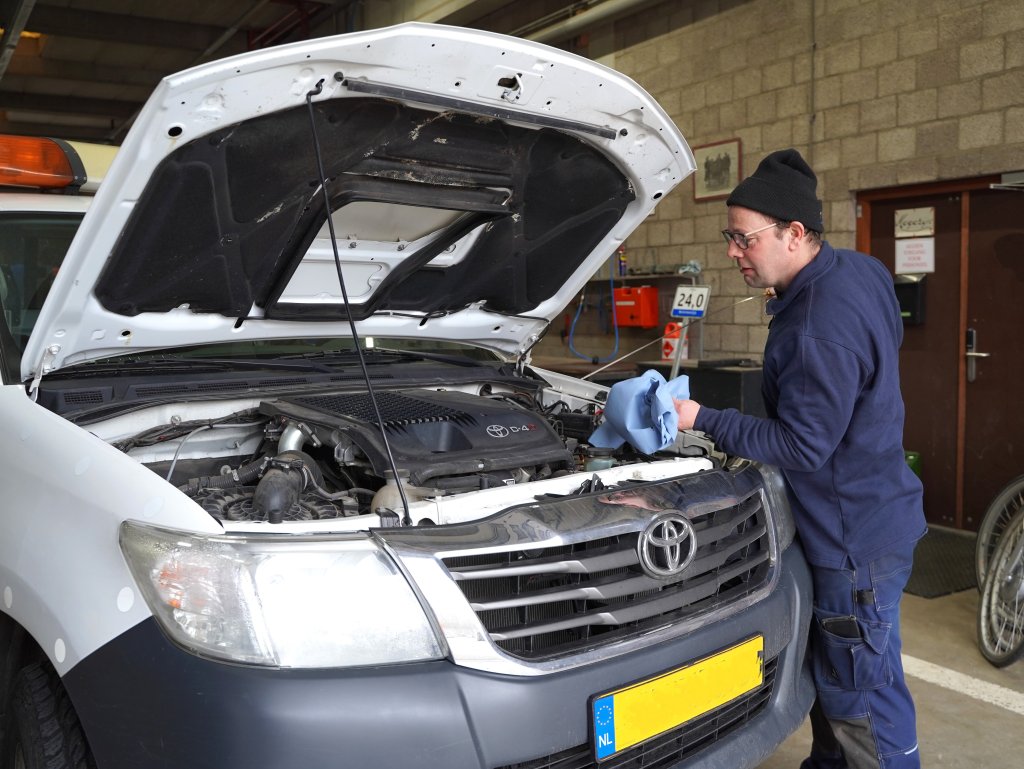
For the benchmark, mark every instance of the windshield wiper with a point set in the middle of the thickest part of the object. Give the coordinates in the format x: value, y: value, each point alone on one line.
x: 184, y: 364
x: 346, y: 354
x: 387, y: 354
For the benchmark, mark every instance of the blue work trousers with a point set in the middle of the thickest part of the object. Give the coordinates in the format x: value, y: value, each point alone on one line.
x: 864, y: 716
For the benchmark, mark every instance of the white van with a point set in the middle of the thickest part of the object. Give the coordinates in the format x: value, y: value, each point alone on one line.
x: 280, y: 486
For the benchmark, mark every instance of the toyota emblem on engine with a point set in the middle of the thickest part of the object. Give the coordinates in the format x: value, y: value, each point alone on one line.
x: 667, y: 546
x: 497, y: 431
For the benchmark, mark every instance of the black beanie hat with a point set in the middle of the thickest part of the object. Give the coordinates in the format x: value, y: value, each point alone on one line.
x: 784, y: 187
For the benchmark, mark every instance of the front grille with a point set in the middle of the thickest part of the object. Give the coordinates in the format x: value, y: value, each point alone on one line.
x: 560, y: 600
x: 673, y: 746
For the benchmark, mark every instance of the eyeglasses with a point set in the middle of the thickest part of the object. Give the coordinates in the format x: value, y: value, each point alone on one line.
x: 743, y: 239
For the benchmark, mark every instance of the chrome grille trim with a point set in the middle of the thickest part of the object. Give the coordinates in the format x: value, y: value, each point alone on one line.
x: 614, y: 598
x: 577, y: 555
x: 613, y: 560
x: 635, y: 611
x: 609, y: 587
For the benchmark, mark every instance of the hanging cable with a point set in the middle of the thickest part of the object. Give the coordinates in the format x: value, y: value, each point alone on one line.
x: 406, y: 517
x: 615, y: 320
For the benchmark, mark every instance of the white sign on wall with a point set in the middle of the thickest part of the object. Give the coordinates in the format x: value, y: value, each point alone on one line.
x: 914, y: 222
x: 915, y: 255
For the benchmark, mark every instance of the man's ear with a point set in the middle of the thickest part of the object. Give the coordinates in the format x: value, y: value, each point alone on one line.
x: 797, y: 230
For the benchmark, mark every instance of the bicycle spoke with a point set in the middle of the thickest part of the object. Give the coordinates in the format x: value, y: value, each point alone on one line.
x: 1001, y: 611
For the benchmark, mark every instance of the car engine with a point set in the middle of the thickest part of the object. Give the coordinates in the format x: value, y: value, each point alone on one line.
x: 323, y: 456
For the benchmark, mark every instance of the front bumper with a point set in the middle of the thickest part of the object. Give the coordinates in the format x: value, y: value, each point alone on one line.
x: 146, y: 704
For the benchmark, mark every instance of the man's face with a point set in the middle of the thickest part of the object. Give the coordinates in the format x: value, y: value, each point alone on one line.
x: 768, y: 261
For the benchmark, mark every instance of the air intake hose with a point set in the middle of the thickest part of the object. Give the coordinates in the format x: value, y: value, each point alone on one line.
x: 282, y: 483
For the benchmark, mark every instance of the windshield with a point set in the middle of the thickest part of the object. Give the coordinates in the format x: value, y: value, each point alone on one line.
x: 32, y: 247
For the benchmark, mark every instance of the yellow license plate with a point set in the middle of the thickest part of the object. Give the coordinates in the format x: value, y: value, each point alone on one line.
x: 628, y: 716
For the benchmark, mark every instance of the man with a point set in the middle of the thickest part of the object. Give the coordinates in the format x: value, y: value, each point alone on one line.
x: 835, y: 427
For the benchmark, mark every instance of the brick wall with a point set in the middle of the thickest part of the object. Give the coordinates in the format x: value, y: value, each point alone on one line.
x: 874, y: 93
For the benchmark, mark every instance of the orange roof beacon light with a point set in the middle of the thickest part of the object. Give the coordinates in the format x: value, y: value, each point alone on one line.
x: 28, y: 161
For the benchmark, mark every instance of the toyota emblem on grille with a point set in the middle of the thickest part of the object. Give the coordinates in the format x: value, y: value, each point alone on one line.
x: 667, y: 546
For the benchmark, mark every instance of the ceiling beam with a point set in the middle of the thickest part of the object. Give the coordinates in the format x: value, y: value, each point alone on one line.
x: 74, y: 71
x: 75, y: 133
x: 317, y: 21
x: 572, y: 23
x: 123, y: 28
x: 382, y: 13
x: 461, y: 11
x: 35, y: 102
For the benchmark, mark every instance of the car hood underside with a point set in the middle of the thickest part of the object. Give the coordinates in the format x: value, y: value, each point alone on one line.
x: 474, y: 184
x: 227, y: 218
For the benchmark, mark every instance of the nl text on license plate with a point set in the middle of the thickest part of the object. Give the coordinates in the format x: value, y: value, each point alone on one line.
x: 628, y: 716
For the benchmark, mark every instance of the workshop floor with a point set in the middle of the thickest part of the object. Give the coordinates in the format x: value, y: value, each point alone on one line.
x: 970, y: 715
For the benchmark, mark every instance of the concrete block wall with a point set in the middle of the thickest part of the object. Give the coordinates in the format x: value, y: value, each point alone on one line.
x: 875, y: 93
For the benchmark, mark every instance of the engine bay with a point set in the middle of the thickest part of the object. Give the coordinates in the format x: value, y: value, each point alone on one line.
x: 328, y: 458
x: 322, y: 455
x: 300, y: 439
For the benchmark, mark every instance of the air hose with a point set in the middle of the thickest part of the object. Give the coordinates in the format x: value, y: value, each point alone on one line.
x: 615, y: 321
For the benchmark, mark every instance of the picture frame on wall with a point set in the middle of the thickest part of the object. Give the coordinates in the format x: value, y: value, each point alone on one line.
x: 718, y: 169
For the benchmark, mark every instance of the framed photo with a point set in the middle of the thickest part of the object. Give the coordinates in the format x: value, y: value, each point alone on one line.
x: 718, y: 169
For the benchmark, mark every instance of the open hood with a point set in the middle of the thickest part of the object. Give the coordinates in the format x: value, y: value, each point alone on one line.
x: 476, y: 182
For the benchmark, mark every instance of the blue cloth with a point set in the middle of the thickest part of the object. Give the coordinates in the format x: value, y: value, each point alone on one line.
x: 640, y: 410
x: 835, y: 412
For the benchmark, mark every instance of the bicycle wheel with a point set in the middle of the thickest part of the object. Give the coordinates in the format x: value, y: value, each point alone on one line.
x: 1001, y: 610
x: 1002, y: 508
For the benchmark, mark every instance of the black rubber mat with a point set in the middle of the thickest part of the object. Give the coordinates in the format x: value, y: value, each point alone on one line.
x: 943, y: 563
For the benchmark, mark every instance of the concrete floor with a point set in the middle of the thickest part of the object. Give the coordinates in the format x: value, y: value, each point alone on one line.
x: 958, y: 724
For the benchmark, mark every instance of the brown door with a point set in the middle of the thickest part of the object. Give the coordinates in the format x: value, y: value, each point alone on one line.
x: 931, y: 350
x: 994, y: 426
x: 963, y: 417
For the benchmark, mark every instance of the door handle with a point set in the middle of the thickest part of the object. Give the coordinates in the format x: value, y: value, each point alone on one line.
x: 972, y: 354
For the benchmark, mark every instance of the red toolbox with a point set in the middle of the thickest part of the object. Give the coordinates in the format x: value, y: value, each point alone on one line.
x: 637, y: 306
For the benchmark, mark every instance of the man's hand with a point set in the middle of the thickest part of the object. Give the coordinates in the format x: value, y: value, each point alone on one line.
x: 687, y: 412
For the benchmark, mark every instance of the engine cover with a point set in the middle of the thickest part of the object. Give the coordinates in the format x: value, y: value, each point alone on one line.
x: 432, y: 433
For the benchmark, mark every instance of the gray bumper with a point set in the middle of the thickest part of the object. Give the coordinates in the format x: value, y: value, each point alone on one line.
x: 145, y: 703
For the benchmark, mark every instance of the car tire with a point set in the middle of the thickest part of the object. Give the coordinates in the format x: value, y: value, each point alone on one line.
x: 44, y: 732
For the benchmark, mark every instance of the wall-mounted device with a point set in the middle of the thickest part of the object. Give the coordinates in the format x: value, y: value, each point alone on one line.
x: 910, y: 295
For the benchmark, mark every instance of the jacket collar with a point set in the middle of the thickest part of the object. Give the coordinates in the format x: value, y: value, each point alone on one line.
x: 823, y: 261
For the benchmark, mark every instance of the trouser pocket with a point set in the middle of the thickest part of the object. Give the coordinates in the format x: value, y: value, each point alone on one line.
x: 852, y: 653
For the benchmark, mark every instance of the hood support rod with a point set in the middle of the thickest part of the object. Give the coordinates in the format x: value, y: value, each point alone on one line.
x: 406, y: 517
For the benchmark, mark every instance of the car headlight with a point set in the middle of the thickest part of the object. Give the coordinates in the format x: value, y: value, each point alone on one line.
x: 778, y: 499
x: 305, y: 602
